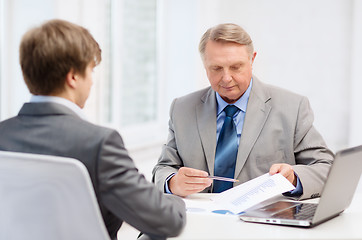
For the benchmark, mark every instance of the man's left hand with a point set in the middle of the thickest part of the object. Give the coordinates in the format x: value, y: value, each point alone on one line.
x: 284, y: 169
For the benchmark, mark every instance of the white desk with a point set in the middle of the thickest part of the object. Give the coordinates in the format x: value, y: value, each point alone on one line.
x: 348, y: 225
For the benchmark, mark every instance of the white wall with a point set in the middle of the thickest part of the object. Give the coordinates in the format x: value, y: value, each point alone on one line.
x: 355, y: 109
x: 309, y: 47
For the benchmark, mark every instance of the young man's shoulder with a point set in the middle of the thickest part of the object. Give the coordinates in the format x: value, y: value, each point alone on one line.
x: 88, y: 128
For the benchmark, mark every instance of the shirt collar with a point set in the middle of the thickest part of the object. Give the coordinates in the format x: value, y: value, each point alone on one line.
x: 241, y: 103
x: 65, y: 102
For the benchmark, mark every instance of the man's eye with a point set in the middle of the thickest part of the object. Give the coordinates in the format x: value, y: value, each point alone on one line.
x: 216, y: 68
x: 235, y: 68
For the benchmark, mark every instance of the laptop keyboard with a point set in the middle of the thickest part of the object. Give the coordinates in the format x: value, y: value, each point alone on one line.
x: 303, y: 211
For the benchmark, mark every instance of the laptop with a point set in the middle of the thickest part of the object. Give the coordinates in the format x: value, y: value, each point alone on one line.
x: 336, y: 196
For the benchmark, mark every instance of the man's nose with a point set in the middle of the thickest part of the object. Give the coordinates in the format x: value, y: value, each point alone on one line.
x: 226, y: 76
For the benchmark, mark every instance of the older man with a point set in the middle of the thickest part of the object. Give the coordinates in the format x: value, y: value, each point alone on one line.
x: 239, y: 127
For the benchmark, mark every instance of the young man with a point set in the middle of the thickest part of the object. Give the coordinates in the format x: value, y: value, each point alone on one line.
x: 239, y: 127
x: 57, y: 60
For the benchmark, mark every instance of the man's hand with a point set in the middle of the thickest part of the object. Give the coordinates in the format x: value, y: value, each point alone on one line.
x: 188, y: 180
x: 284, y: 169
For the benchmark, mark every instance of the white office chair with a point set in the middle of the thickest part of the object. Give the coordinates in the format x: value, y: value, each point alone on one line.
x: 47, y: 197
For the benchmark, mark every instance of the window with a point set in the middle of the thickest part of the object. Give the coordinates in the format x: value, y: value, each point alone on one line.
x: 130, y: 92
x: 133, y: 76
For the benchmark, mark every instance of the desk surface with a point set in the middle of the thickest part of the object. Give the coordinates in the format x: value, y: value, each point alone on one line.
x: 347, y: 225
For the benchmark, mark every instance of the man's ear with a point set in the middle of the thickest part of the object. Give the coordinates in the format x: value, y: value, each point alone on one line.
x: 253, y: 58
x: 71, y: 79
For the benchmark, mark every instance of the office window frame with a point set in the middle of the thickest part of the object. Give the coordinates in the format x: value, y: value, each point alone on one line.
x: 145, y: 133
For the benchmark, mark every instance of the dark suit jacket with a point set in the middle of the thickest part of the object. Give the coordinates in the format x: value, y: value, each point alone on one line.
x: 278, y: 128
x: 123, y: 194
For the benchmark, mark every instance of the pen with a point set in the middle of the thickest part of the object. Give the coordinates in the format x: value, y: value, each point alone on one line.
x: 223, y: 179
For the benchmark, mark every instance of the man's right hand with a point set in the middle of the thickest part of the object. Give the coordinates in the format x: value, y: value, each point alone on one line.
x: 188, y: 181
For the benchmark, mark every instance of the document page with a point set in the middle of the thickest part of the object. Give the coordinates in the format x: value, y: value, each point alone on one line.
x: 246, y: 195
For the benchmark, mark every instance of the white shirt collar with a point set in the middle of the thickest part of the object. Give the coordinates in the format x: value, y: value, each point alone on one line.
x: 65, y: 102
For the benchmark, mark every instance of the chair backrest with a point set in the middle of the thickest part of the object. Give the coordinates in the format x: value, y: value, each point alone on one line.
x: 47, y: 197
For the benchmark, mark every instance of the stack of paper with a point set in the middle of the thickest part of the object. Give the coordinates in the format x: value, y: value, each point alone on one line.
x: 242, y: 197
x: 246, y: 195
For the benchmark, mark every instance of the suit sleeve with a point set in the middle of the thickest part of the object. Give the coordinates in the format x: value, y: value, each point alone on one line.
x: 313, y: 158
x: 169, y: 161
x: 129, y: 196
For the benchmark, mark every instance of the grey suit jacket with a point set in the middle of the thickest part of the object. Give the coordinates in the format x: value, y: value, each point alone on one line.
x: 123, y: 194
x: 278, y: 128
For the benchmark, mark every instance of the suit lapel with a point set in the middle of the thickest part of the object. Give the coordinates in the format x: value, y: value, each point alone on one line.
x: 256, y: 115
x: 206, y: 122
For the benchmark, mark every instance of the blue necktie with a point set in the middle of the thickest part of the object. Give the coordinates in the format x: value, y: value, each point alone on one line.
x: 226, y: 151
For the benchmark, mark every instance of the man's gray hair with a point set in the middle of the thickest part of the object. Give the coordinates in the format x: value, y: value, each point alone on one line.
x: 226, y: 32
